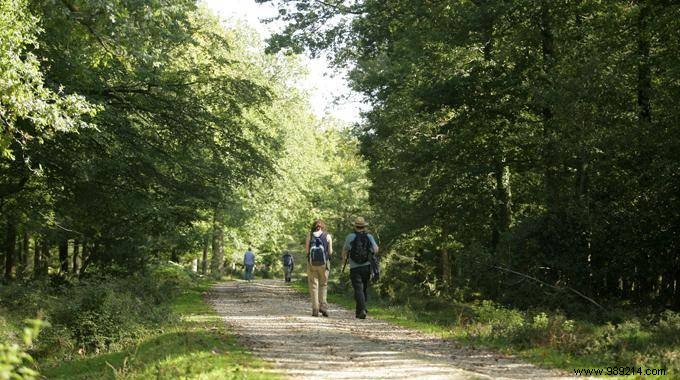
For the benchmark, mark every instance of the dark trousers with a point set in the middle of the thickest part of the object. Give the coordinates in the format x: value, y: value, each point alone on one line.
x: 360, y: 277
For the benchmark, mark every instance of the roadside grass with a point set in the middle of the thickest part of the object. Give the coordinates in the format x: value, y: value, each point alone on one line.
x: 545, y: 339
x: 196, y: 345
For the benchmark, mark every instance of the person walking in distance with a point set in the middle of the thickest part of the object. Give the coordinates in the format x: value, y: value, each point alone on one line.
x: 288, y: 264
x: 358, y: 248
x: 319, y: 248
x: 249, y: 263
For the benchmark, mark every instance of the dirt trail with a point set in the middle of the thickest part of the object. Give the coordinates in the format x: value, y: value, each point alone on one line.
x: 276, y: 323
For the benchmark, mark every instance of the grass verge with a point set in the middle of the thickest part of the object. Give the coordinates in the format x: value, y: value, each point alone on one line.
x: 195, y: 345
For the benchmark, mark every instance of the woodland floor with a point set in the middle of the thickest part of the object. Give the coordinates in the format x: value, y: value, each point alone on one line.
x: 274, y: 321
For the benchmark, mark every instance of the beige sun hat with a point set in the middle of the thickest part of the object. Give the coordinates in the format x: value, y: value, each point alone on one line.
x: 359, y: 222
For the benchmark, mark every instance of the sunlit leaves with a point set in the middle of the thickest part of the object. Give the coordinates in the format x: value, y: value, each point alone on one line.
x: 23, y: 94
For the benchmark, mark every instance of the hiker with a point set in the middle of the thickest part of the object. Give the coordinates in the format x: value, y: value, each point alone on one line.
x: 358, y: 250
x: 319, y: 248
x: 288, y: 264
x: 249, y: 263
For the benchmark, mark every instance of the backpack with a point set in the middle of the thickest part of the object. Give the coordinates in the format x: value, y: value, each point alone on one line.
x: 360, y: 250
x: 287, y: 260
x: 317, y: 250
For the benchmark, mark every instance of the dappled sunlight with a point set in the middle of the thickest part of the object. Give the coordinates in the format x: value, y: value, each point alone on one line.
x: 275, y: 322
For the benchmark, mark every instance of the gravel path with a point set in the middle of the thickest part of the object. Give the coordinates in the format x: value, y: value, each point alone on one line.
x: 275, y: 322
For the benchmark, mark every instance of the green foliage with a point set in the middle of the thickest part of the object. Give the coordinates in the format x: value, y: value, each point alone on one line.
x: 15, y: 362
x: 531, y: 135
x: 99, y: 314
x: 29, y: 110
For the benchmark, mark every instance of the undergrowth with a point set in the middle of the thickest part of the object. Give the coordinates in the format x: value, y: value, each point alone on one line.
x: 153, y: 325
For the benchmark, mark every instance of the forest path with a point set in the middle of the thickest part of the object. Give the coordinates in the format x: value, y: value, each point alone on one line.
x: 275, y: 322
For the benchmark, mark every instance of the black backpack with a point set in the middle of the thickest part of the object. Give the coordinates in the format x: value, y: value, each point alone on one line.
x: 360, y: 250
x: 287, y: 260
x: 317, y: 249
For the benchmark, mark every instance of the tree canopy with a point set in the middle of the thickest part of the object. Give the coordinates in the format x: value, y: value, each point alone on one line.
x: 516, y: 136
x: 137, y: 131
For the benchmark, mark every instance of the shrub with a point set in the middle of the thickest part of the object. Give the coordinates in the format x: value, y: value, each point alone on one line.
x: 14, y: 360
x: 553, y: 330
x: 502, y: 322
x: 668, y: 329
x: 99, y: 313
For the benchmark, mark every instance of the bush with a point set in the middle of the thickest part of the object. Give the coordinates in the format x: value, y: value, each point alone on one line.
x: 100, y: 313
x: 29, y: 297
x: 542, y: 329
x: 499, y: 321
x: 14, y: 360
x: 668, y: 329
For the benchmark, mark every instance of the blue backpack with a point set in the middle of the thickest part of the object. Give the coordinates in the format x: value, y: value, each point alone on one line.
x: 287, y: 260
x: 317, y: 250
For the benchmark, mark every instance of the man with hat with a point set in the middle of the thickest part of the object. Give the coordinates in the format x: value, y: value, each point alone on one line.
x: 358, y: 248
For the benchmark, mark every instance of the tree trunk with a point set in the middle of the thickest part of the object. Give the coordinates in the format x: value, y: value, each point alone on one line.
x: 45, y: 269
x: 37, y: 260
x: 445, y: 259
x: 26, y: 250
x: 503, y: 209
x: 550, y: 156
x: 10, y: 248
x: 217, y: 264
x: 90, y: 253
x: 63, y: 256
x: 644, y: 90
x: 204, y: 263
x: 76, y: 248
x: 446, y: 266
x: 87, y: 253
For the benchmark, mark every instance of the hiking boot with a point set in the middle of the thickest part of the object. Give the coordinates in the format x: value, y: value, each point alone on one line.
x: 361, y: 315
x: 324, y: 312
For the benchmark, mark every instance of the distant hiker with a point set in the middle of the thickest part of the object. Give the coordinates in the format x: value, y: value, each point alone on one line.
x: 249, y: 263
x: 319, y: 248
x: 359, y: 248
x: 288, y: 264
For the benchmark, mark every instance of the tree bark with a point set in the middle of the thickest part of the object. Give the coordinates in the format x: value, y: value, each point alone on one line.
x: 45, y: 268
x: 37, y: 260
x: 89, y: 254
x: 445, y: 259
x: 217, y: 264
x: 503, y: 203
x: 63, y: 256
x: 76, y: 248
x: 446, y: 266
x: 204, y: 263
x: 26, y: 250
x: 10, y: 248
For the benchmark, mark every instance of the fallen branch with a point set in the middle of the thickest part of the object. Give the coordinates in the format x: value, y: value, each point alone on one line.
x: 552, y: 286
